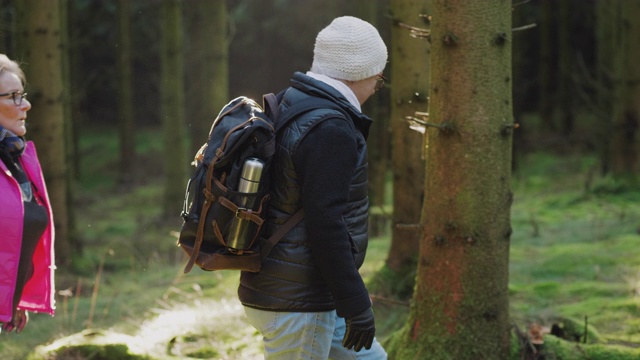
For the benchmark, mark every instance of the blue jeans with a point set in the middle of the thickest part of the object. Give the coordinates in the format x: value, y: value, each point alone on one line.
x: 312, y: 335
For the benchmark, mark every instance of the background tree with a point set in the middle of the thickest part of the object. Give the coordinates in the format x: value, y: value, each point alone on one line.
x: 40, y: 49
x: 126, y: 122
x: 546, y: 77
x: 172, y: 100
x: 70, y: 130
x: 460, y: 305
x: 377, y: 107
x: 619, y: 87
x: 410, y: 77
x: 207, y: 66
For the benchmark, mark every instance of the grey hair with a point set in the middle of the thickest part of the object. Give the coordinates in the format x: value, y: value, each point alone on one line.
x: 8, y: 65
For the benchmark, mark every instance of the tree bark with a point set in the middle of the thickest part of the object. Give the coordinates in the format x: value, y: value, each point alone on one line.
x: 460, y: 307
x: 625, y: 110
x: 379, y: 135
x: 410, y: 78
x: 41, y: 55
x: 546, y: 69
x: 172, y: 98
x: 565, y: 60
x: 126, y: 122
x: 208, y: 67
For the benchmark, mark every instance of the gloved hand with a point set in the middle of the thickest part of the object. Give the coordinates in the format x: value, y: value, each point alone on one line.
x: 360, y: 331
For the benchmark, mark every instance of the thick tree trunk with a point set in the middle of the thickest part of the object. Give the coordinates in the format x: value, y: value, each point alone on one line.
x: 41, y: 49
x: 172, y: 98
x: 410, y: 77
x: 460, y: 307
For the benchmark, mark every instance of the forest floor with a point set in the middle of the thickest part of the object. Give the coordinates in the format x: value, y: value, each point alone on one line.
x: 574, y: 260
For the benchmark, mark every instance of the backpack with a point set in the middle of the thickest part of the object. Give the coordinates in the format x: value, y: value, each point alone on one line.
x: 227, y: 196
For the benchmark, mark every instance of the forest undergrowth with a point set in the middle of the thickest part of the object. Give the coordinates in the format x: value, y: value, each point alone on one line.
x: 574, y: 261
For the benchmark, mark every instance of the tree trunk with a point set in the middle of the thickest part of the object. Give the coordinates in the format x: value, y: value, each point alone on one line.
x: 379, y: 141
x: 410, y: 78
x: 565, y: 60
x: 546, y: 70
x: 41, y: 49
x: 207, y: 67
x: 460, y: 305
x: 126, y: 122
x: 69, y: 126
x: 172, y: 98
x: 625, y: 91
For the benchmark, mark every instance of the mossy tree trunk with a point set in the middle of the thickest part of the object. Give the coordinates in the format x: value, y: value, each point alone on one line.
x: 172, y: 97
x: 460, y: 305
x: 207, y: 66
x: 410, y: 78
x: 40, y: 46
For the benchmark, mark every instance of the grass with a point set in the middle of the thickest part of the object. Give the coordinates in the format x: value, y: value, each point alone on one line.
x: 574, y: 252
x: 573, y: 256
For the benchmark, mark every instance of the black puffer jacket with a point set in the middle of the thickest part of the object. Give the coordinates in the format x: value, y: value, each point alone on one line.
x: 320, y: 165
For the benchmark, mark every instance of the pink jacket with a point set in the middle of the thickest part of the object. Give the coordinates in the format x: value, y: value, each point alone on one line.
x: 38, y: 293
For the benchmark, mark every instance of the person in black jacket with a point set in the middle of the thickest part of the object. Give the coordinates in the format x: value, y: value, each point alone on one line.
x: 309, y: 300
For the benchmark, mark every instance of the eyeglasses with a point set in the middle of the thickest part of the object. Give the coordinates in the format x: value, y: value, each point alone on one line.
x: 380, y: 82
x: 17, y: 97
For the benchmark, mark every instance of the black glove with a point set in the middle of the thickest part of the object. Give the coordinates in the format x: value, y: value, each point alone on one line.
x: 360, y: 331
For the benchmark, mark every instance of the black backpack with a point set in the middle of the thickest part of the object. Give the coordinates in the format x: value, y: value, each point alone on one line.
x: 227, y: 196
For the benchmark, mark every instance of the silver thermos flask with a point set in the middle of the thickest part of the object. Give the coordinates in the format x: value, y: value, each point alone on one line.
x: 239, y: 234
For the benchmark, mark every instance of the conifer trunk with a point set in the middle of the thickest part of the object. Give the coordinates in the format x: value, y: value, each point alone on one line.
x: 41, y: 55
x: 460, y: 306
x: 207, y: 67
x: 172, y: 98
x: 410, y: 79
x: 126, y: 122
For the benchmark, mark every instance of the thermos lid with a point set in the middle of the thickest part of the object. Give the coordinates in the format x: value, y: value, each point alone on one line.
x: 252, y: 169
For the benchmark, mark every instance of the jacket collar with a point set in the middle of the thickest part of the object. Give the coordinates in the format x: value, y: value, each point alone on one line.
x: 317, y: 88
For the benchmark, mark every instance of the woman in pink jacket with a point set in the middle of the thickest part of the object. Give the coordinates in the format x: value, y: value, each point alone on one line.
x: 26, y: 222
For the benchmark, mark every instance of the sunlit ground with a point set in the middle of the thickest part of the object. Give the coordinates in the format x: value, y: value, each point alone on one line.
x: 204, y: 329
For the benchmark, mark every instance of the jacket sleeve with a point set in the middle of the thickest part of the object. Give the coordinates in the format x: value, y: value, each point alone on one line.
x: 325, y: 160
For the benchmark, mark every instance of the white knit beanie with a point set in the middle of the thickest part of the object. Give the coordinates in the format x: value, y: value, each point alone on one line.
x: 349, y: 49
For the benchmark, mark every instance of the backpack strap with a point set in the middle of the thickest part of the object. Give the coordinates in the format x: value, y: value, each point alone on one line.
x: 282, y: 231
x: 209, y: 199
x: 270, y: 105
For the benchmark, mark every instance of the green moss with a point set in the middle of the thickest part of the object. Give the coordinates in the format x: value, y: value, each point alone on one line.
x: 204, y: 353
x: 97, y: 352
x: 559, y: 349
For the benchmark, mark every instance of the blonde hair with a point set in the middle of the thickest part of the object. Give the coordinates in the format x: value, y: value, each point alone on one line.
x: 8, y: 65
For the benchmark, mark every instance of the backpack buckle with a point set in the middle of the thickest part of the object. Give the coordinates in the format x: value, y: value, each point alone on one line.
x: 238, y: 211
